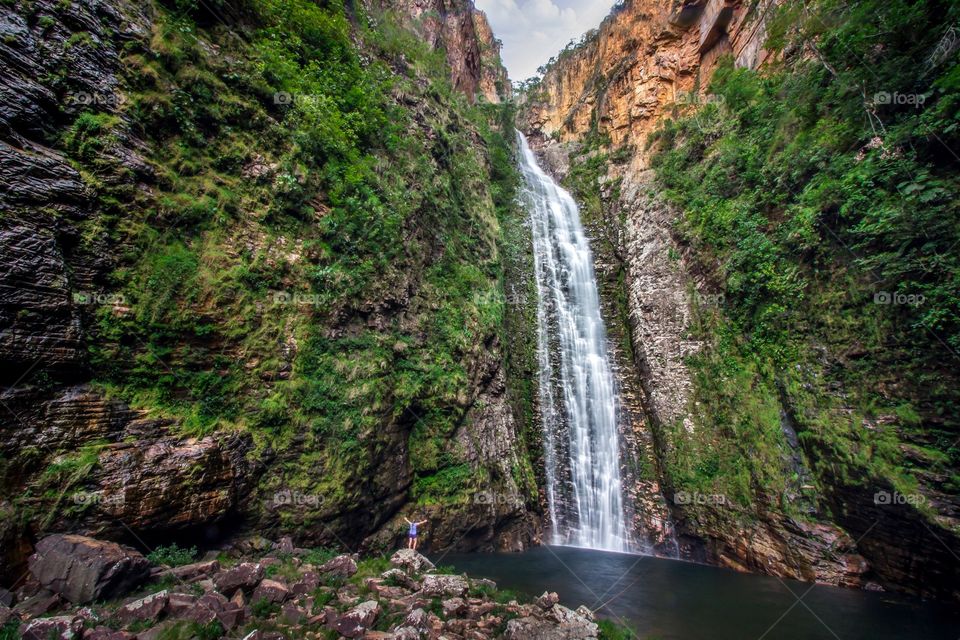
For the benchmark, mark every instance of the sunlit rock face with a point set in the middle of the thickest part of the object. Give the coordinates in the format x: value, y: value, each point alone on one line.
x: 651, y: 60
x: 463, y: 32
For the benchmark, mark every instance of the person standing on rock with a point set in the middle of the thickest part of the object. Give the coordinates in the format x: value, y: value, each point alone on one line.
x: 412, y: 539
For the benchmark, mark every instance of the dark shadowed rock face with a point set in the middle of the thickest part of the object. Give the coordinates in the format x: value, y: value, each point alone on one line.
x: 83, y: 569
x: 143, y: 475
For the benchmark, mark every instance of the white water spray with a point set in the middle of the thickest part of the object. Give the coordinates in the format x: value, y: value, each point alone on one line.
x: 578, y: 408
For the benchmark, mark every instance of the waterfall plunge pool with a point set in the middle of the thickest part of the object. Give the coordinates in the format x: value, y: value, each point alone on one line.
x: 673, y: 600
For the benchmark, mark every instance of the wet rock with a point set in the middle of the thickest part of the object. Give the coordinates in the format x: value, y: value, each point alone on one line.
x: 445, y: 585
x: 343, y: 566
x: 354, y: 622
x: 148, y: 608
x: 411, y: 561
x: 271, y: 591
x: 6, y: 598
x: 82, y: 569
x: 246, y: 575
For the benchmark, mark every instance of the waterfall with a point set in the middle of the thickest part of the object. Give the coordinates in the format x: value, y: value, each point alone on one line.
x: 578, y: 402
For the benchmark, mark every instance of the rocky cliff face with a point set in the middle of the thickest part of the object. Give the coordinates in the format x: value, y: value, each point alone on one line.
x: 646, y: 57
x: 145, y: 403
x: 464, y: 34
x: 591, y: 117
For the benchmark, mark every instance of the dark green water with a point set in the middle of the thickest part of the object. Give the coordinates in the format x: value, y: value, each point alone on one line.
x: 672, y: 600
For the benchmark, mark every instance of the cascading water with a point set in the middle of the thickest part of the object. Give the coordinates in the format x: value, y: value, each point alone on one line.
x: 578, y: 408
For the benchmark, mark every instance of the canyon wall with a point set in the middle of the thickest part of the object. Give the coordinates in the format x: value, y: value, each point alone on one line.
x: 464, y: 34
x: 149, y: 399
x: 590, y: 118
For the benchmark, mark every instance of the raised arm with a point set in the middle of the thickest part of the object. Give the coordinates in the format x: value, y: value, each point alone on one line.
x: 408, y: 522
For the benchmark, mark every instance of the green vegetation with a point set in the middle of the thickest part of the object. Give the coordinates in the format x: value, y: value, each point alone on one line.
x: 263, y: 608
x: 172, y: 555
x: 822, y: 196
x: 611, y: 630
x: 317, y: 258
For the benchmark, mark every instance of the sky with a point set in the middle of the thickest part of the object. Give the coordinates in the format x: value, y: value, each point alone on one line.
x: 534, y: 30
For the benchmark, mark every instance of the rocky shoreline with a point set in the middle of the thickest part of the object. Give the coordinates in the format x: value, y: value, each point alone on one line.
x: 82, y: 588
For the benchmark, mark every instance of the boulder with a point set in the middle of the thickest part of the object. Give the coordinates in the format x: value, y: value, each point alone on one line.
x: 354, y: 622
x: 264, y: 635
x: 179, y: 603
x: 144, y: 609
x: 398, y: 577
x: 445, y: 585
x: 406, y: 633
x: 343, y: 566
x: 56, y: 628
x: 285, y: 545
x: 246, y: 575
x: 547, y: 600
x: 291, y: 614
x: 411, y: 561
x: 106, y: 633
x: 483, y: 583
x: 271, y: 591
x: 453, y: 607
x: 231, y: 616
x: 560, y: 624
x: 192, y: 572
x: 206, y: 608
x: 417, y: 619
x: 83, y: 569
x: 38, y: 604
x: 308, y: 583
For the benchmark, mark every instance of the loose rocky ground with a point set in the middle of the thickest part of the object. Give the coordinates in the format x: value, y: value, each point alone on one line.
x: 82, y: 588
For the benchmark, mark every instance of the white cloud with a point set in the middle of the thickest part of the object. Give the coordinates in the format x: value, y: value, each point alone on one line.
x: 534, y: 30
